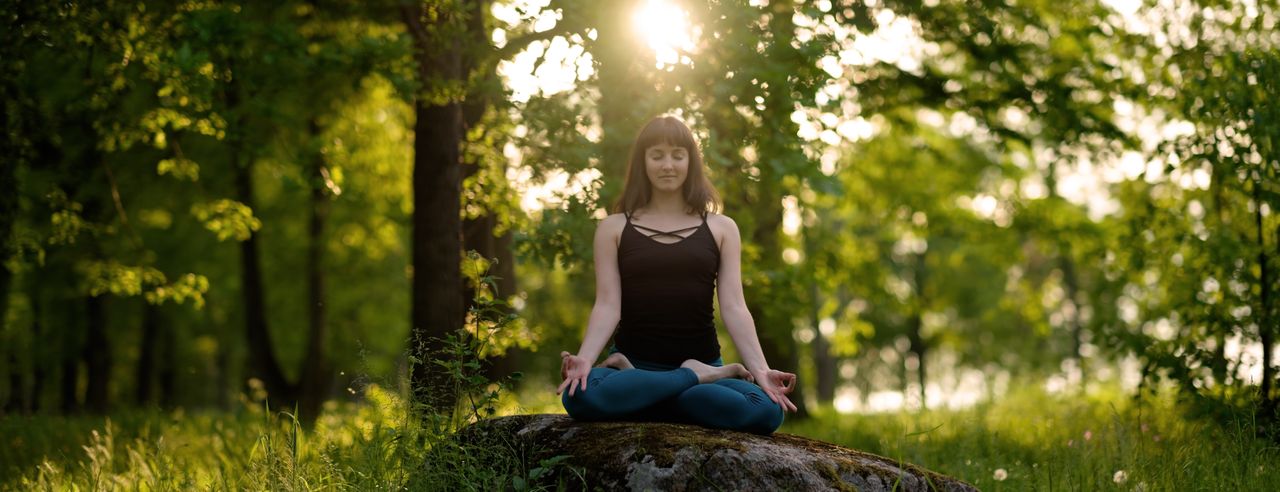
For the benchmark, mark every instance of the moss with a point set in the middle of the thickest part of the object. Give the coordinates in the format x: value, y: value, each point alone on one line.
x: 663, y: 441
x: 833, y: 477
x: 602, y: 453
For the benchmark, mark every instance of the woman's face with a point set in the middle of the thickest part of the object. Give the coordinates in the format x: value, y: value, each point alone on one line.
x: 667, y: 166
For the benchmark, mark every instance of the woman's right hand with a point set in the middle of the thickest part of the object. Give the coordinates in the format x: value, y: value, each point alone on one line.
x: 574, y: 370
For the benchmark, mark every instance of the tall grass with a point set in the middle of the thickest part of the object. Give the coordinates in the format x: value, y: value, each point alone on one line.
x: 1029, y: 440
x: 353, y: 446
x: 386, y: 442
x: 1032, y: 440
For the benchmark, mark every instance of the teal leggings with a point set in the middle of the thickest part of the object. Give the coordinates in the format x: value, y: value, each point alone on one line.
x: 655, y: 392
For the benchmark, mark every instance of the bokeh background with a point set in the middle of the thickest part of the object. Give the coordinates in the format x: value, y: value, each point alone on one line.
x: 947, y: 206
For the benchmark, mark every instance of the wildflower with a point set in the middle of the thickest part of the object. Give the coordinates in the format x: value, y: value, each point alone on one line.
x: 1120, y: 476
x: 1071, y: 443
x: 1000, y: 475
x: 1088, y: 435
x: 1140, y: 487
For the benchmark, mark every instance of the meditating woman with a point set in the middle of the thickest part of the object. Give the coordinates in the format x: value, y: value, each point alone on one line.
x: 659, y: 258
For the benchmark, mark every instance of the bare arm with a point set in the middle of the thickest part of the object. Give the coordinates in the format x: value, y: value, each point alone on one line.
x: 608, y: 307
x: 741, y: 326
x: 733, y: 304
x: 607, y: 311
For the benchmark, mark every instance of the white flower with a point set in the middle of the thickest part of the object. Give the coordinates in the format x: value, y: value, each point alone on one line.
x: 1120, y: 476
x: 1000, y: 475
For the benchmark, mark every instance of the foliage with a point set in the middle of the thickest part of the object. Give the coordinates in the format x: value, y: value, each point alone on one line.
x: 1009, y: 188
x: 1197, y: 242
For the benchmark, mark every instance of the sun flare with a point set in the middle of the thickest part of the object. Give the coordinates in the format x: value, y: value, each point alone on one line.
x: 665, y: 27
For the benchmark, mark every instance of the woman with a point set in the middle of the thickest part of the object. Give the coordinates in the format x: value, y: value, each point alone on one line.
x: 658, y: 260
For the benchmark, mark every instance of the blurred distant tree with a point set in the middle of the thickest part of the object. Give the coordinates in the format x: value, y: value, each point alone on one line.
x: 1200, y: 230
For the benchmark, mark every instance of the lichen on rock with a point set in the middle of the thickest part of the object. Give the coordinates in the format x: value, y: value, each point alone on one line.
x: 675, y: 457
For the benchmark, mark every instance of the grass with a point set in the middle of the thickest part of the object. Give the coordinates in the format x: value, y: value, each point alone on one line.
x: 1032, y: 440
x: 1037, y: 441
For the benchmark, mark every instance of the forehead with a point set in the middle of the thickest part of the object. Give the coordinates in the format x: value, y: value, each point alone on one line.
x: 664, y: 147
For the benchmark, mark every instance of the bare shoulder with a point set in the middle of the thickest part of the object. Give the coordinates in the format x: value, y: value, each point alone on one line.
x: 612, y: 226
x: 718, y: 221
x: 721, y: 226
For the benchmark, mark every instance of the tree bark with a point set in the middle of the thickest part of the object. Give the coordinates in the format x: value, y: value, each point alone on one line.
x: 1071, y: 284
x: 9, y: 210
x: 1266, y: 326
x: 39, y: 353
x: 316, y: 376
x: 68, y: 388
x: 437, y: 230
x: 97, y: 355
x: 12, y: 141
x: 919, y: 345
x: 263, y: 364
x: 1218, y: 362
x: 145, y: 374
x: 823, y: 363
x: 166, y: 361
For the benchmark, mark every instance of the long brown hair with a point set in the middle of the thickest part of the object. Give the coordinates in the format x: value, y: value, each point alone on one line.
x: 699, y: 194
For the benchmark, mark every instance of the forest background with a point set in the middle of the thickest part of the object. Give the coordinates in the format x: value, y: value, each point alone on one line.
x: 211, y: 208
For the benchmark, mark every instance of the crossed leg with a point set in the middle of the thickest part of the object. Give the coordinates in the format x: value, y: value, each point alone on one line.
x: 731, y: 404
x: 695, y: 393
x: 614, y: 394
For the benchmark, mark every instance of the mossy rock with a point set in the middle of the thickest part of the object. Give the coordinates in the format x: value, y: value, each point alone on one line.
x: 674, y: 457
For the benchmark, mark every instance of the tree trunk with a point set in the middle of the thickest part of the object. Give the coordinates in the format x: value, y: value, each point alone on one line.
x: 315, y: 374
x: 8, y: 213
x: 223, y: 384
x: 436, y: 237
x: 68, y: 388
x: 8, y: 208
x: 823, y: 363
x: 1071, y: 284
x: 40, y: 352
x: 919, y: 345
x: 1266, y: 327
x: 263, y: 364
x: 13, y: 403
x: 166, y: 361
x: 97, y: 355
x: 145, y: 373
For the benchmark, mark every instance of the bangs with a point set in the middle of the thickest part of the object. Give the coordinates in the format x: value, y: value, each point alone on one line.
x: 699, y: 194
x: 666, y: 130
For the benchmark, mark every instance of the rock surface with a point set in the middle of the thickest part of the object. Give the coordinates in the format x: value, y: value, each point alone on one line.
x: 673, y: 457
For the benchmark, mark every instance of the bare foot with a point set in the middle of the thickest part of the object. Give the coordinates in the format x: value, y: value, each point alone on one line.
x: 708, y: 374
x: 617, y: 361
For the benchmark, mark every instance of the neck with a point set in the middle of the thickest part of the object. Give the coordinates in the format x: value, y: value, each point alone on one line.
x: 666, y: 203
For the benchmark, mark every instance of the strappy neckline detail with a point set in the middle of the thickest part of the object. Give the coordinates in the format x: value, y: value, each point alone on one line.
x: 673, y: 233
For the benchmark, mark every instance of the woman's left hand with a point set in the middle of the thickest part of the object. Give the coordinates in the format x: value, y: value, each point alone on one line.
x: 777, y: 384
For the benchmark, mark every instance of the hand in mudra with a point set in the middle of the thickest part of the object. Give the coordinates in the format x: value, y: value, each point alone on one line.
x: 777, y: 384
x: 574, y: 370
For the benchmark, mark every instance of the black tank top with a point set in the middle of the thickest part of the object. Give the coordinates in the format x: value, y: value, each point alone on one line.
x: 667, y: 289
